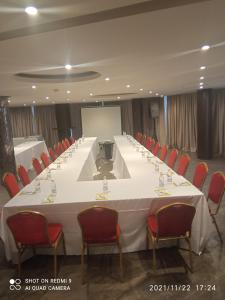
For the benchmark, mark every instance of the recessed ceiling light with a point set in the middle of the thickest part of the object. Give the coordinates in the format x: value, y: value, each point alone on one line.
x: 68, y: 92
x: 24, y: 104
x: 31, y: 10
x: 128, y: 86
x: 150, y: 92
x: 201, y: 87
x: 34, y: 101
x: 141, y: 90
x: 96, y: 101
x: 202, y: 67
x: 47, y: 98
x: 9, y: 101
x: 84, y: 100
x: 157, y: 94
x: 161, y: 96
x: 91, y: 94
x: 118, y: 97
x: 107, y: 79
x: 202, y: 78
x: 201, y: 83
x: 33, y: 86
x: 68, y: 67
x: 205, y: 47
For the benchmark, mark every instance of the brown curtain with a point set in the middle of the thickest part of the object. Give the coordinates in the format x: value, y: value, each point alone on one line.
x: 46, y: 124
x: 127, y: 117
x: 160, y: 124
x: 21, y: 121
x: 182, y: 122
x: 218, y: 120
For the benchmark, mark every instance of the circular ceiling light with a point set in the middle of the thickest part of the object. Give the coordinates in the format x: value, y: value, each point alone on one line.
x: 118, y: 97
x: 201, y: 83
x: 128, y: 86
x: 107, y: 79
x: 91, y: 94
x: 202, y: 67
x: 205, y: 47
x: 34, y: 101
x: 202, y: 78
x: 47, y: 98
x: 68, y: 67
x: 68, y: 92
x: 157, y: 94
x: 31, y: 10
x: 201, y: 87
x: 33, y: 86
x: 150, y: 92
x: 141, y: 90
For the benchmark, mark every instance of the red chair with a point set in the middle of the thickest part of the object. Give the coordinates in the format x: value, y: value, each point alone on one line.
x: 156, y: 149
x: 148, y: 143
x: 99, y: 226
x: 37, y: 166
x: 23, y: 175
x: 32, y: 230
x: 200, y: 175
x: 10, y: 182
x: 172, y: 158
x: 57, y: 149
x: 215, y: 194
x: 138, y: 137
x: 64, y: 145
x: 143, y: 140
x: 52, y: 154
x: 72, y: 140
x: 163, y: 152
x: 152, y: 145
x: 45, y: 159
x: 172, y: 221
x: 61, y: 148
x: 183, y: 164
x: 67, y: 142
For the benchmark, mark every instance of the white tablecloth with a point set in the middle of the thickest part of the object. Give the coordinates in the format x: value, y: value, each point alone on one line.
x: 26, y: 151
x: 134, y: 196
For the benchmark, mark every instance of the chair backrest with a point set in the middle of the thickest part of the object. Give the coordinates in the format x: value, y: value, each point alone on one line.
x: 200, y: 175
x: 148, y: 143
x: 175, y: 219
x: 172, y: 158
x: 67, y: 142
x: 61, y: 148
x: 216, y: 187
x: 98, y: 223
x: 163, y: 152
x: 29, y: 228
x: 183, y: 164
x: 138, y: 136
x: 64, y: 145
x: 152, y: 145
x: 23, y: 175
x: 37, y: 166
x: 72, y: 140
x: 45, y: 159
x: 10, y: 182
x: 52, y: 154
x: 156, y: 149
x: 143, y: 140
x: 57, y: 150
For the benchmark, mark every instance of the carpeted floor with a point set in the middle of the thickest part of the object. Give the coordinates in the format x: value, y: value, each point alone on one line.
x: 173, y: 280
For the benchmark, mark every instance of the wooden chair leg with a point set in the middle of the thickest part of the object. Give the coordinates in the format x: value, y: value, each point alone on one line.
x: 55, y: 261
x: 121, y: 260
x: 190, y: 253
x: 82, y: 263
x: 217, y: 229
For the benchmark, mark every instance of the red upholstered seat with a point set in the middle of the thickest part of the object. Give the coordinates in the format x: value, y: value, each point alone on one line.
x: 148, y: 143
x: 156, y: 149
x: 163, y: 152
x: 172, y: 221
x: 31, y: 229
x: 22, y: 172
x: 45, y: 159
x: 64, y: 145
x: 215, y: 194
x: 61, y: 148
x: 67, y: 142
x: 52, y: 154
x: 72, y: 140
x: 10, y: 182
x: 57, y: 149
x: 172, y: 158
x: 99, y: 226
x: 183, y: 164
x: 200, y: 175
x: 37, y: 166
x: 143, y: 140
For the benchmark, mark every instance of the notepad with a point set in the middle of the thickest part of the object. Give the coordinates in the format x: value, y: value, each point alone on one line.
x: 162, y: 192
x: 101, y: 196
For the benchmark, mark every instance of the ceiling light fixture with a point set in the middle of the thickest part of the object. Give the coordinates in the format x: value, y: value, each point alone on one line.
x: 68, y: 92
x: 118, y: 97
x: 128, y: 86
x: 107, y: 79
x: 9, y: 101
x: 91, y: 94
x: 47, y: 98
x: 201, y: 87
x: 201, y: 83
x: 205, y: 47
x: 24, y: 104
x: 157, y: 94
x: 202, y: 78
x: 31, y: 10
x: 141, y: 90
x: 202, y: 67
x: 68, y: 67
x: 34, y: 101
x: 150, y: 92
x: 33, y: 86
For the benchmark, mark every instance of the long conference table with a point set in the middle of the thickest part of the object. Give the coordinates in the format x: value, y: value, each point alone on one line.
x: 134, y: 194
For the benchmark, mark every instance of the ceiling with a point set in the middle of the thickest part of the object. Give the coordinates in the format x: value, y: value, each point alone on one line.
x: 150, y: 45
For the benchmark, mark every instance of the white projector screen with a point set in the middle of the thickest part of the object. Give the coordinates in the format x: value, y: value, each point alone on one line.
x: 102, y: 122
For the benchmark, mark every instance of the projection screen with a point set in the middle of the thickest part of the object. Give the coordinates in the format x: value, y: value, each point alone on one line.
x: 102, y: 122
